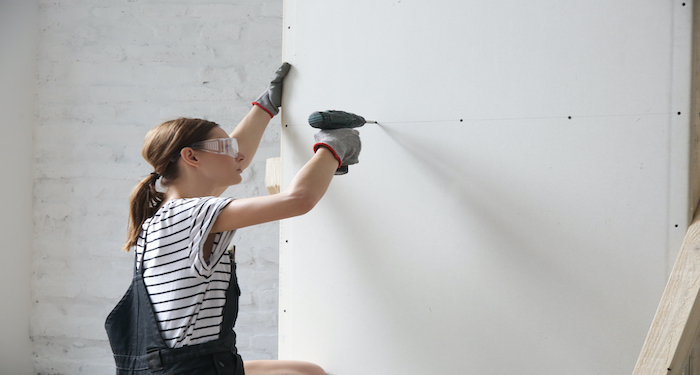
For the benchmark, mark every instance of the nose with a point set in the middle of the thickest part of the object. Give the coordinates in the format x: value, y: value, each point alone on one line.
x: 240, y: 157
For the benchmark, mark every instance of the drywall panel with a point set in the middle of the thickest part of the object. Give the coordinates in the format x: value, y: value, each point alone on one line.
x: 520, y: 205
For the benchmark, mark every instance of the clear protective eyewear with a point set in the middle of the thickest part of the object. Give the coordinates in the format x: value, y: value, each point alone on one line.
x: 224, y: 146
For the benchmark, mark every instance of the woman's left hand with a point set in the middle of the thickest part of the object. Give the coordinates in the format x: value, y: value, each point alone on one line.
x: 271, y: 99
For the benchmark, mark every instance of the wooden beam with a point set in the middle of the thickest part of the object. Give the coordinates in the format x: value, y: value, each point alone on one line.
x: 273, y: 175
x: 675, y: 325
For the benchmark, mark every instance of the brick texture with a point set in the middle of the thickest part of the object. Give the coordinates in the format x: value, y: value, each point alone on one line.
x: 108, y: 71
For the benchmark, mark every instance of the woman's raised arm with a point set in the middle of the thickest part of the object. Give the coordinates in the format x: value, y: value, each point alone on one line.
x: 250, y: 130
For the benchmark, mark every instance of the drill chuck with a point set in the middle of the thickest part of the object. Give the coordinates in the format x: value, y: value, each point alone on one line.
x: 335, y: 120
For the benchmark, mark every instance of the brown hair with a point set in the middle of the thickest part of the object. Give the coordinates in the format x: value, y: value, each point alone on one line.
x: 161, y: 149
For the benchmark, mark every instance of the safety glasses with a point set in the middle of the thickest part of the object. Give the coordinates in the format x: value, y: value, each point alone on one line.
x: 224, y: 146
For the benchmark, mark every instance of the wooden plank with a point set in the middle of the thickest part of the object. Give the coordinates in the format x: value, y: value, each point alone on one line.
x: 675, y: 325
x: 273, y: 175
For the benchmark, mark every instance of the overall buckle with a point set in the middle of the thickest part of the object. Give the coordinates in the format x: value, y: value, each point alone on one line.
x: 155, y: 363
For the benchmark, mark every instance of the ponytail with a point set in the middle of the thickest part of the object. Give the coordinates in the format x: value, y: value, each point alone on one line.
x: 161, y: 149
x: 145, y: 200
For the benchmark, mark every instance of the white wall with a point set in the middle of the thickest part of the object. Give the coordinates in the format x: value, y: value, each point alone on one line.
x: 109, y: 71
x: 18, y: 33
x: 519, y: 208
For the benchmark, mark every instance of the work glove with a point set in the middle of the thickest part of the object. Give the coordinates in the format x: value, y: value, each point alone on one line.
x: 271, y: 99
x: 344, y: 144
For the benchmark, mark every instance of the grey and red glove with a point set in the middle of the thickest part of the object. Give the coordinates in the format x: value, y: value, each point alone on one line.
x: 271, y: 99
x: 344, y: 144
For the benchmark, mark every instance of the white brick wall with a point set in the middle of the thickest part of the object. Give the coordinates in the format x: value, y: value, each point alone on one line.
x: 108, y: 71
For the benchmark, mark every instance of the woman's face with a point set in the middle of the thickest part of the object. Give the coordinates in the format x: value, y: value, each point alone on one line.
x: 224, y: 169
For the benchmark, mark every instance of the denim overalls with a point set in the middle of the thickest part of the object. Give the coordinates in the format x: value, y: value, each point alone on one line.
x: 138, y: 346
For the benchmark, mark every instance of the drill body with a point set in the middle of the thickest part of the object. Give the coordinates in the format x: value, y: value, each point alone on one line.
x: 328, y: 120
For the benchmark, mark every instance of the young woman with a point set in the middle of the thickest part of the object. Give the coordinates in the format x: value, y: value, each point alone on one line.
x: 178, y: 315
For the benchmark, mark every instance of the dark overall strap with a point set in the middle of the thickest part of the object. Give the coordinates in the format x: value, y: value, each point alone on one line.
x: 131, y: 326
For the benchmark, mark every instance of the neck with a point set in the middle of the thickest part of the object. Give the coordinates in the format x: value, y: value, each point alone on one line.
x: 193, y: 182
x: 189, y: 188
x: 177, y: 193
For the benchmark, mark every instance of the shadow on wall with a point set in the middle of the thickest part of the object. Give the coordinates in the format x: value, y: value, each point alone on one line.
x: 532, y: 254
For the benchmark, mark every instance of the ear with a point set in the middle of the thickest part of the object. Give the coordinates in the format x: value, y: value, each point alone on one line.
x: 188, y: 155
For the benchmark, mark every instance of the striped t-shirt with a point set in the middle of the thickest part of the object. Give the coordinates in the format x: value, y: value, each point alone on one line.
x: 188, y: 292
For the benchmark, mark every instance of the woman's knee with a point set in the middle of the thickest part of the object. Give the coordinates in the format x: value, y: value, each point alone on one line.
x: 282, y: 367
x: 312, y: 369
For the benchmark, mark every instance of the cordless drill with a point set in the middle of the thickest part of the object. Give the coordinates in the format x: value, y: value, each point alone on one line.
x: 328, y: 120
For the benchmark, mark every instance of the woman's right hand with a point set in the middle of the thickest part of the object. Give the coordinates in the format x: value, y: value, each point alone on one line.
x: 344, y: 143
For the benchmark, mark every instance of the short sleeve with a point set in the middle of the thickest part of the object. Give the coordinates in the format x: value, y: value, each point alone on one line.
x: 203, y: 216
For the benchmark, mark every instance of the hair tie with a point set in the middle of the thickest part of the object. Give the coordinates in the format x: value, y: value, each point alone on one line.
x: 155, y: 174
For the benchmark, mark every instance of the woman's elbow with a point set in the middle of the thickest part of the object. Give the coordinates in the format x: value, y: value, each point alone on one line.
x: 302, y: 202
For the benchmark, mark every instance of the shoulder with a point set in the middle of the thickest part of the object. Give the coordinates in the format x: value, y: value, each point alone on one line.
x: 208, y: 206
x: 186, y: 211
x: 190, y: 205
x: 204, y: 211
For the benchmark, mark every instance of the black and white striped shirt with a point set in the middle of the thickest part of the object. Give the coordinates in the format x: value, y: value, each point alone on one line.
x: 188, y: 292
